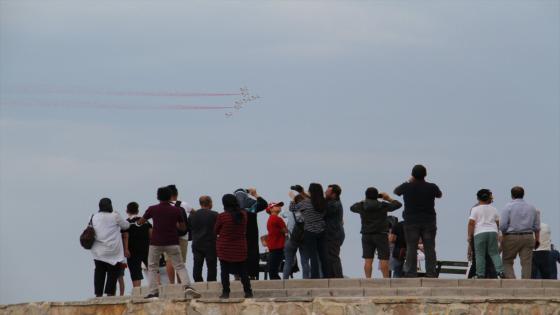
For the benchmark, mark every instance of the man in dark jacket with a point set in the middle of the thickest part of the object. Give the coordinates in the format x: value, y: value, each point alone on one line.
x: 375, y: 228
x: 250, y: 201
x: 202, y: 224
x: 419, y: 220
x: 334, y: 232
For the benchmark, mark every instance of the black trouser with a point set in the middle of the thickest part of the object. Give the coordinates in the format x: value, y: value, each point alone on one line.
x: 104, y: 271
x: 200, y: 254
x: 413, y: 233
x: 541, y: 265
x: 334, y: 265
x: 275, y: 257
x: 235, y: 268
x: 315, y: 248
x: 490, y: 270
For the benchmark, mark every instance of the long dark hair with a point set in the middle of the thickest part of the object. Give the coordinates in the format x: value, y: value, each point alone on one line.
x: 317, y: 196
x: 232, y: 207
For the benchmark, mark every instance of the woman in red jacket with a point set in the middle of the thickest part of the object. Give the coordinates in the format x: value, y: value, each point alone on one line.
x: 231, y: 245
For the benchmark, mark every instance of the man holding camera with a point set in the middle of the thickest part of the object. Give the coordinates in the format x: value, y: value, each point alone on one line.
x: 375, y: 228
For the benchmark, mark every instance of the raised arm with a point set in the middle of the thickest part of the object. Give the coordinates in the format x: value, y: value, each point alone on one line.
x: 358, y: 207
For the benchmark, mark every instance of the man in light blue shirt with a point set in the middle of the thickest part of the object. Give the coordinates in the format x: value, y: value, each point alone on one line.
x: 520, y: 226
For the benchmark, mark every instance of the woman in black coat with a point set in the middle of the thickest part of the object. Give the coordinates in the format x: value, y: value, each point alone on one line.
x: 252, y: 203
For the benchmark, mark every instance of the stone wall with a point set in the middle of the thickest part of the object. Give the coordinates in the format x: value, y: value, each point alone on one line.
x: 296, y: 306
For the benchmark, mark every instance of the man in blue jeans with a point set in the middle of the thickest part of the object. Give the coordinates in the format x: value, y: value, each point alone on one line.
x: 419, y: 220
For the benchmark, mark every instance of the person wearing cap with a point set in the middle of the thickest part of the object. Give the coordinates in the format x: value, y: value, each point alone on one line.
x: 483, y: 229
x: 107, y: 250
x: 419, y: 220
x: 520, y: 226
x: 276, y: 239
x: 375, y: 228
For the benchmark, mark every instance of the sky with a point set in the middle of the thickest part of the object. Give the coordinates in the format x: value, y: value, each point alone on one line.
x: 353, y: 93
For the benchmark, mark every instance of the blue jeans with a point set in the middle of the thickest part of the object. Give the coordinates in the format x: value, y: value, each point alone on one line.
x: 290, y: 251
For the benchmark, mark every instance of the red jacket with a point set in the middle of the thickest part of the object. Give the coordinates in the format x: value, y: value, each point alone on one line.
x: 231, y: 240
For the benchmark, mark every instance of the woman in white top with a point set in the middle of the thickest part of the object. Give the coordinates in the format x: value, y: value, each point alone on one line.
x: 483, y: 227
x: 107, y: 250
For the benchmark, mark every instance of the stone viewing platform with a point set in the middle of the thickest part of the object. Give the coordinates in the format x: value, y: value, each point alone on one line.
x: 329, y: 296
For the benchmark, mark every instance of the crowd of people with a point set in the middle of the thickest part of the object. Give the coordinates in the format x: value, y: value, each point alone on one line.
x: 312, y: 225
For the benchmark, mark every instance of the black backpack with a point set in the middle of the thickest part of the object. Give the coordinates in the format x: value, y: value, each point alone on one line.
x: 296, y: 236
x: 185, y: 219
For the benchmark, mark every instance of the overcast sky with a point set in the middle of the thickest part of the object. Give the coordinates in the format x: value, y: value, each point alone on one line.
x: 353, y: 93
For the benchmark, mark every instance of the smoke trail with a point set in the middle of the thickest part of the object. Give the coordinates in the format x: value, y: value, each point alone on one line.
x: 94, y: 105
x: 121, y: 93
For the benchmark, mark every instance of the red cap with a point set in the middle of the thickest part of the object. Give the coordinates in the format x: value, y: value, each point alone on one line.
x: 274, y: 204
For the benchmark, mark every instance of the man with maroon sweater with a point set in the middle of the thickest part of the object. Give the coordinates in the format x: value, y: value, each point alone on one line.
x: 166, y: 220
x: 231, y: 245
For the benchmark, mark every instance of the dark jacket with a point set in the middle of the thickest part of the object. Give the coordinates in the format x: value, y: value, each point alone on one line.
x: 202, y: 224
x: 333, y: 220
x: 374, y: 215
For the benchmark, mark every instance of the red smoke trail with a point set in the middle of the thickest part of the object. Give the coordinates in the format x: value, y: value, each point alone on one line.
x: 123, y: 93
x: 114, y: 106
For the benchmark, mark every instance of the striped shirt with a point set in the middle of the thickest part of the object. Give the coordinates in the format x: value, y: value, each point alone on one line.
x: 231, y: 240
x: 313, y: 220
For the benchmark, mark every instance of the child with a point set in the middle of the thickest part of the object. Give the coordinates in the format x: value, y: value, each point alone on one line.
x: 138, y: 244
x: 276, y: 238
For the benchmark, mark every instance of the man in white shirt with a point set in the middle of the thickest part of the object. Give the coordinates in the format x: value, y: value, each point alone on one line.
x: 541, y: 268
x: 483, y: 226
x: 183, y: 238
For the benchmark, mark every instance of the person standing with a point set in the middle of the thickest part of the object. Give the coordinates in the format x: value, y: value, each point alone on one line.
x: 202, y: 224
x: 313, y: 211
x: 397, y: 245
x: 295, y: 225
x: 186, y: 210
x: 419, y: 220
x: 334, y: 231
x: 231, y: 245
x: 107, y: 249
x: 138, y: 244
x: 375, y: 228
x: 520, y: 226
x: 166, y: 220
x: 541, y: 256
x: 276, y: 239
x: 554, y: 259
x: 483, y: 229
x: 250, y: 200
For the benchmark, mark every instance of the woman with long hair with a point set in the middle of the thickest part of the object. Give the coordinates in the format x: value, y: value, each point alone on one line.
x: 231, y: 244
x: 313, y: 211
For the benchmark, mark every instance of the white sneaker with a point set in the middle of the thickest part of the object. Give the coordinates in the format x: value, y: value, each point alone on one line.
x: 192, y: 292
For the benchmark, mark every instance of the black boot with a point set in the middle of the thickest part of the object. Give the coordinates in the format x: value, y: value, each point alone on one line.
x: 248, y: 294
x: 225, y: 295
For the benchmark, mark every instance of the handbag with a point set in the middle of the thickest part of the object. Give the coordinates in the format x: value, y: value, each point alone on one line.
x: 88, y: 235
x: 296, y: 236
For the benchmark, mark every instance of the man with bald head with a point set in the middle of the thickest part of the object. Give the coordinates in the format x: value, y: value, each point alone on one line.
x: 204, y: 239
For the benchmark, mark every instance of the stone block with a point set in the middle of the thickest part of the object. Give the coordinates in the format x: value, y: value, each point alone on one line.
x: 551, y: 284
x: 439, y: 283
x: 473, y: 291
x: 438, y: 291
x: 268, y: 284
x: 553, y: 292
x: 347, y: 292
x: 406, y: 282
x: 210, y: 294
x: 493, y: 292
x: 322, y: 292
x: 375, y: 283
x: 200, y: 286
x: 521, y: 283
x: 414, y: 291
x: 306, y: 283
x: 529, y: 292
x: 298, y: 292
x: 480, y: 283
x: 214, y: 286
x: 344, y: 283
x: 172, y: 291
x: 233, y: 286
x: 269, y: 293
x: 380, y: 292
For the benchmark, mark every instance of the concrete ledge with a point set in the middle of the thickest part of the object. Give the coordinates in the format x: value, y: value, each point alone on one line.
x: 309, y: 283
x: 344, y: 283
x: 514, y: 283
x: 380, y: 292
x: 551, y: 284
x: 478, y: 283
x: 406, y: 282
x: 375, y: 283
x: 414, y: 292
x: 438, y: 283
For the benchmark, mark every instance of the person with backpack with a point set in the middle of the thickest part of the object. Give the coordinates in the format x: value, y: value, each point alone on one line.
x: 231, y: 245
x: 375, y: 228
x: 107, y: 249
x: 184, y: 236
x: 295, y: 237
x: 138, y: 244
x: 166, y: 219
